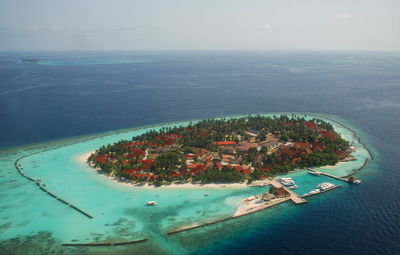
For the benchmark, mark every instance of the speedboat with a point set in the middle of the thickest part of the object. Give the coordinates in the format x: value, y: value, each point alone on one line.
x: 151, y: 203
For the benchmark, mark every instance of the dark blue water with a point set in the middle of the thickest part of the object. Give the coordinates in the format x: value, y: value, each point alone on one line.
x: 46, y: 102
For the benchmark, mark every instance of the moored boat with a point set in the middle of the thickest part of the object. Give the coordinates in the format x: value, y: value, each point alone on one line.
x: 314, y: 172
x: 325, y: 186
x: 286, y: 181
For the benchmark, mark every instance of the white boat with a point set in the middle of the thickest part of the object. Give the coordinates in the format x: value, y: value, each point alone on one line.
x: 286, y: 181
x: 314, y: 172
x: 151, y: 203
x: 315, y: 191
x: 293, y: 187
x: 325, y: 186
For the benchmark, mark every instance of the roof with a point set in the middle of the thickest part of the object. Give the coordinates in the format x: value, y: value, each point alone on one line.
x: 329, y: 135
x: 101, y: 158
x: 174, y: 175
x: 310, y: 124
x: 223, y: 143
x: 281, y: 192
x: 342, y: 154
x: 268, y: 196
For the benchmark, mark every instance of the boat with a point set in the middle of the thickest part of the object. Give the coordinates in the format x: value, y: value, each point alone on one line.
x: 315, y: 191
x: 313, y: 172
x: 325, y: 186
x: 286, y: 181
x: 151, y: 203
x: 293, y: 187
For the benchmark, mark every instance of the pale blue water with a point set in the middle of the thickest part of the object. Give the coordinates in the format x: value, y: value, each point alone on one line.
x: 40, y: 103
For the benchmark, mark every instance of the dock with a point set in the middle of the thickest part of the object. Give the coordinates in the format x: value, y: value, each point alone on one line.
x: 293, y: 196
x: 309, y: 195
x: 257, y: 205
x: 329, y: 175
x: 335, y: 177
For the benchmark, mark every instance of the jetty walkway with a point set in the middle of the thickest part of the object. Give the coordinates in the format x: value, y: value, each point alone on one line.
x: 258, y: 204
x: 293, y: 196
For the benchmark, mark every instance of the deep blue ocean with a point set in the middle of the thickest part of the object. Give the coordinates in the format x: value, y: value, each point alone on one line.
x: 69, y: 94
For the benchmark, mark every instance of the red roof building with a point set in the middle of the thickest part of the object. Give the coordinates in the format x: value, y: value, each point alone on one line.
x: 310, y: 124
x: 329, y: 135
x: 101, y: 158
x: 225, y: 143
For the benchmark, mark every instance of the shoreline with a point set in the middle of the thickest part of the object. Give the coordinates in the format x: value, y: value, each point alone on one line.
x: 81, y: 159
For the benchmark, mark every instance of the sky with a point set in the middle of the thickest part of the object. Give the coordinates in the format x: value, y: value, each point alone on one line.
x: 200, y: 25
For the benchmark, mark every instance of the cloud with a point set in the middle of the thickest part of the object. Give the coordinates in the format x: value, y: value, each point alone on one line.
x: 60, y: 31
x: 266, y: 26
x: 342, y: 16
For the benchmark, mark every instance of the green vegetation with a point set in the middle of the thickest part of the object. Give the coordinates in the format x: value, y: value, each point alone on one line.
x: 223, y: 150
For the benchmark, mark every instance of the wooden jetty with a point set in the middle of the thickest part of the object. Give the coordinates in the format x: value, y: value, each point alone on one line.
x: 309, y: 195
x: 335, y: 177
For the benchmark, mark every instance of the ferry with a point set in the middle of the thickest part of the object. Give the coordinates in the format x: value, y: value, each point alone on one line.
x: 151, y: 203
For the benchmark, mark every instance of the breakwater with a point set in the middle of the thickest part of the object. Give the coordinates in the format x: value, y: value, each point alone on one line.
x: 44, y: 189
x: 358, y: 169
x: 105, y: 243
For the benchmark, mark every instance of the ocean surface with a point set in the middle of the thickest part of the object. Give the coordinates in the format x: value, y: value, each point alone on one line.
x: 69, y: 103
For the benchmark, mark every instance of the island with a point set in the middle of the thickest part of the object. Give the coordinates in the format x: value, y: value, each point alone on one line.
x: 35, y: 60
x: 225, y: 150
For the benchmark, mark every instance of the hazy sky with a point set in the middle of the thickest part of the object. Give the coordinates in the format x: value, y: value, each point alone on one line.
x: 200, y: 24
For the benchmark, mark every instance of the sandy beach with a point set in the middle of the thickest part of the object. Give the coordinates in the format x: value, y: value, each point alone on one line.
x: 81, y: 159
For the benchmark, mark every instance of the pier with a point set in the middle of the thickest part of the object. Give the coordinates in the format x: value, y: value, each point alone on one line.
x: 293, y: 196
x: 331, y: 175
x: 257, y: 205
x: 309, y: 195
x: 335, y: 177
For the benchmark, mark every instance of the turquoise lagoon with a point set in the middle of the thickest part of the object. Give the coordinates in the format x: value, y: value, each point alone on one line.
x: 119, y: 211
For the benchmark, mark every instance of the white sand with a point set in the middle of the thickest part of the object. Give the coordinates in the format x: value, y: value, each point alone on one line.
x: 81, y: 159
